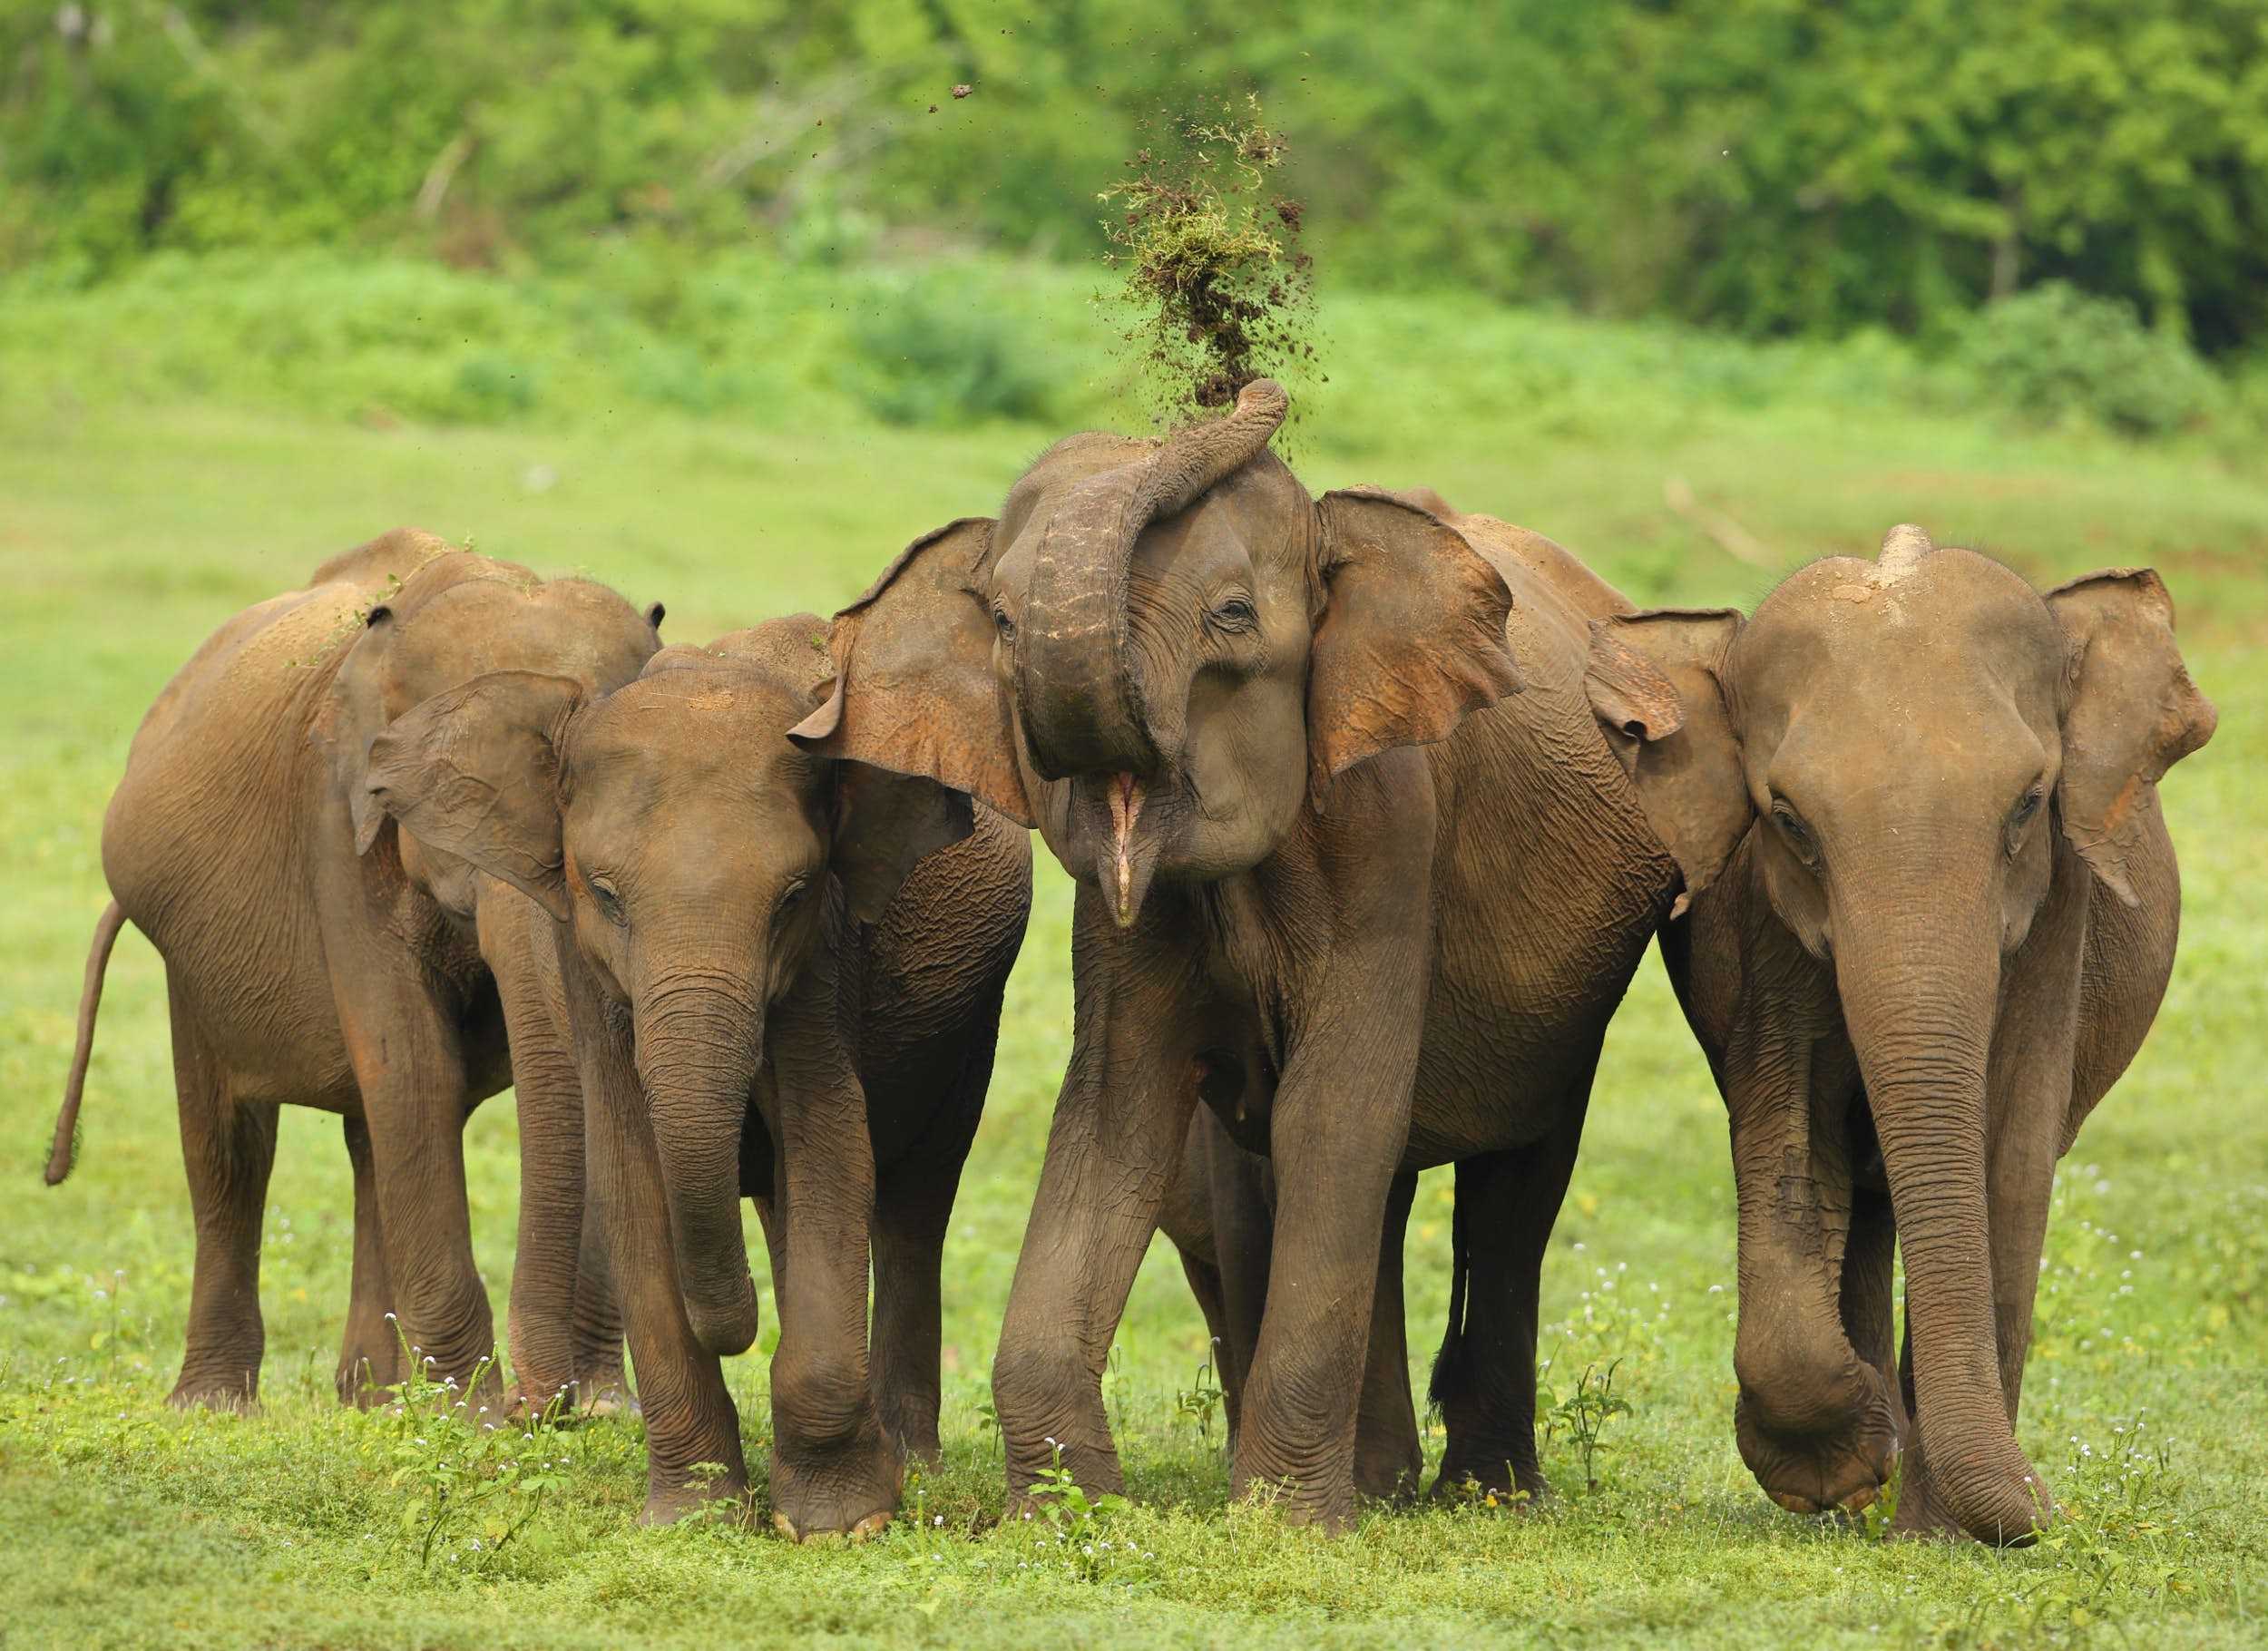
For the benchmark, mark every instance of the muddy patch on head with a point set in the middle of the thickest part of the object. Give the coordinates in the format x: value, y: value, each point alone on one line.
x: 1217, y: 290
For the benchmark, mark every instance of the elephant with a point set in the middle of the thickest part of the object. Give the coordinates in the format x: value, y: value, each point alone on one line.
x: 782, y: 975
x: 1934, y: 914
x: 1334, y: 880
x: 316, y: 955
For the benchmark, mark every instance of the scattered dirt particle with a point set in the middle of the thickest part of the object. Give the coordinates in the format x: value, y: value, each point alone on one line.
x: 1219, y: 291
x: 963, y: 91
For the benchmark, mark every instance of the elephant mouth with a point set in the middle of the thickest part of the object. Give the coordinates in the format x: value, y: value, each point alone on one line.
x: 1118, y: 831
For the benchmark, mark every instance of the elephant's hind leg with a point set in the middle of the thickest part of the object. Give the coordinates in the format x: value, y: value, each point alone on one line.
x: 1486, y: 1378
x: 227, y: 1148
x: 370, y: 1357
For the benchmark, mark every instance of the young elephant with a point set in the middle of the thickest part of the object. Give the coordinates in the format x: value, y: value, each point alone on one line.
x: 314, y: 955
x: 1944, y: 920
x: 768, y: 996
x: 1328, y: 884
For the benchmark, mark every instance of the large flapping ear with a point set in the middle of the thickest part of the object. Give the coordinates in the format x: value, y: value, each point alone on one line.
x: 885, y: 823
x: 1654, y: 683
x: 473, y: 772
x: 1412, y: 637
x: 914, y: 690
x: 2132, y: 712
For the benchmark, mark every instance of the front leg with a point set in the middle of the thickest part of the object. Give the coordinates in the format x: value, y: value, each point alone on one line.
x: 1120, y: 1119
x: 1341, y: 1119
x: 516, y: 943
x: 834, y: 1468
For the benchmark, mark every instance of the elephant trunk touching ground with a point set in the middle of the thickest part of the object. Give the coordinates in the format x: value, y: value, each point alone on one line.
x: 699, y: 1041
x: 1919, y: 978
x: 1082, y: 698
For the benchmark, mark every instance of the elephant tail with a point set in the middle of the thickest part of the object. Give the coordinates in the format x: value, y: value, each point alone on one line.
x: 1449, y: 1363
x: 98, y: 958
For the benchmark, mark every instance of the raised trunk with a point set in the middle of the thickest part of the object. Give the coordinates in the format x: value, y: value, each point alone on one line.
x: 1918, y: 994
x: 699, y: 1046
x: 1080, y: 697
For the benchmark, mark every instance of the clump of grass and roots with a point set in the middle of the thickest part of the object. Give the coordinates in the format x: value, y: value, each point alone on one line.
x: 1219, y: 290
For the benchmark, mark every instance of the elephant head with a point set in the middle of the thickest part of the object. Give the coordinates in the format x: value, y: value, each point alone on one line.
x: 1161, y: 653
x: 1893, y: 749
x: 690, y: 849
x: 442, y: 618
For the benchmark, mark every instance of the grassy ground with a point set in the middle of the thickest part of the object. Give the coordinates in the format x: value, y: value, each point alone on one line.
x: 130, y: 531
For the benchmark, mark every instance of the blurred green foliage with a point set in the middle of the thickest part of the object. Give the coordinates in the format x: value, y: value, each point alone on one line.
x: 1773, y: 166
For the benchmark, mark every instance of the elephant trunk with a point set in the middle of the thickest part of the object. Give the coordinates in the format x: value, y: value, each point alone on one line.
x: 1918, y: 994
x: 700, y: 1043
x: 1080, y: 697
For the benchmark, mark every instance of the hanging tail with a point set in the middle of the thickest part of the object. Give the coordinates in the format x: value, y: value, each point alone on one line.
x: 98, y: 958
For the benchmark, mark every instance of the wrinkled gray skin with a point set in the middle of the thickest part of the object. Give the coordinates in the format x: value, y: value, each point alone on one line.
x: 1373, y: 919
x: 1220, y: 1211
x: 768, y: 996
x: 315, y: 955
x: 1945, y: 918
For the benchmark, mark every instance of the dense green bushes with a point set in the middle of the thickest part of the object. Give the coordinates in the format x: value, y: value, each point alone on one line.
x: 967, y: 339
x: 1774, y: 165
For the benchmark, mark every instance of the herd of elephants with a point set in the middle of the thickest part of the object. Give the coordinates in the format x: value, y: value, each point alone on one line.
x: 1373, y: 809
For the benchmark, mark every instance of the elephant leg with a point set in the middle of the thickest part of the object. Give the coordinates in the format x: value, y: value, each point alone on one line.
x: 412, y: 1078
x: 1485, y: 1379
x: 1869, y: 1299
x: 1388, y: 1458
x: 1243, y: 1202
x: 370, y: 1356
x: 913, y: 1212
x: 228, y: 1148
x: 602, y: 1383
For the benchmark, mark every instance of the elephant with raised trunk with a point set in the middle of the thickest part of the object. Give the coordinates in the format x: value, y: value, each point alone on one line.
x: 1334, y: 882
x: 782, y: 974
x: 316, y: 955
x: 1936, y: 914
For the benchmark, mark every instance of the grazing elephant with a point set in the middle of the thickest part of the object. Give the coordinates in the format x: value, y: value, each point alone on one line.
x: 314, y: 955
x: 1327, y: 883
x: 768, y: 996
x: 1937, y: 916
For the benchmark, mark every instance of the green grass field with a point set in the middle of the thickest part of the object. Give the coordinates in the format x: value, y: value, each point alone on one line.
x: 128, y: 528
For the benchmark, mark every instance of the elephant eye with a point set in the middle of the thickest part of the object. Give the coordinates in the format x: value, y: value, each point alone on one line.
x: 1004, y: 625
x: 610, y: 901
x: 2026, y: 811
x: 1798, y: 835
x: 791, y: 901
x: 1233, y: 616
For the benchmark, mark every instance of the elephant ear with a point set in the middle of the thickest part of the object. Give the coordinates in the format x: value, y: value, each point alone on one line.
x: 1412, y: 637
x: 884, y: 823
x: 2133, y: 713
x: 357, y: 714
x: 914, y: 690
x: 1654, y: 684
x: 473, y: 772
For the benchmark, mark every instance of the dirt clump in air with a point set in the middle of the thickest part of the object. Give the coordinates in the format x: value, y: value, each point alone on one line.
x: 1218, y: 288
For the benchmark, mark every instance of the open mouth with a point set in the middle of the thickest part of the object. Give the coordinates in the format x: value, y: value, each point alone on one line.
x: 1126, y: 806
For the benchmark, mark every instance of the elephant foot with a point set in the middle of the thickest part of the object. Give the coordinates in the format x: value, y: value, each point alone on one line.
x: 605, y: 1394
x: 235, y: 1390
x: 1388, y: 1477
x: 1495, y: 1475
x: 666, y: 1504
x: 848, y: 1491
x: 873, y: 1524
x: 1830, y: 1469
